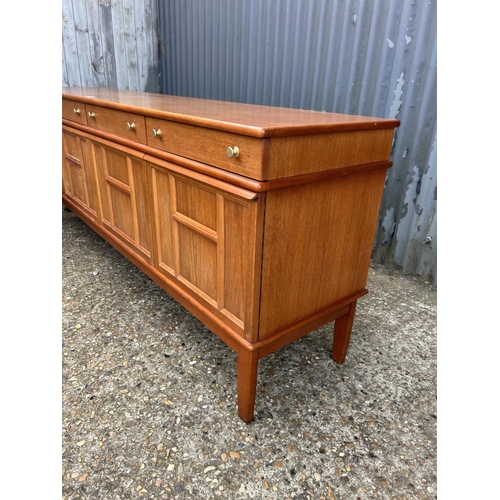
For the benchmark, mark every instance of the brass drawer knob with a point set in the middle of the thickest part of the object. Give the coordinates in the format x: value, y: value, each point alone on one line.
x: 91, y: 115
x: 76, y: 111
x: 131, y: 126
x: 233, y: 152
x: 156, y: 133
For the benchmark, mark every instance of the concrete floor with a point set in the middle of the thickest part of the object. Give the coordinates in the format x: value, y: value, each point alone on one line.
x: 149, y: 395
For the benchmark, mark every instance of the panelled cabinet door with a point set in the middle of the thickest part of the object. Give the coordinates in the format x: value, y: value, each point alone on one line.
x: 122, y: 177
x: 79, y: 183
x: 209, y: 242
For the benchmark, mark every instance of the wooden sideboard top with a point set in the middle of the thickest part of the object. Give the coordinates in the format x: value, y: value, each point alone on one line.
x: 246, y: 119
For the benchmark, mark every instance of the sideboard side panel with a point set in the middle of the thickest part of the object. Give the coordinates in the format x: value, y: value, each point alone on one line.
x: 317, y: 247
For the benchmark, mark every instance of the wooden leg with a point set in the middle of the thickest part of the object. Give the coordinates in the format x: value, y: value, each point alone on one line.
x: 248, y: 362
x: 342, y: 334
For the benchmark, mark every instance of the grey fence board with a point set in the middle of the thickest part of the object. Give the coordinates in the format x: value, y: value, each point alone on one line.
x: 71, y: 56
x: 83, y: 42
x: 95, y: 45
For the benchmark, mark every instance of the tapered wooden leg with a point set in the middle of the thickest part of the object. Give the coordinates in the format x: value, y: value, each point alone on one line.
x: 342, y: 334
x: 248, y: 362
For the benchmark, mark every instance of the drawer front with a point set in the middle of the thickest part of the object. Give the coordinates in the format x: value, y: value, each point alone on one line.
x: 74, y: 111
x: 208, y: 146
x: 126, y: 125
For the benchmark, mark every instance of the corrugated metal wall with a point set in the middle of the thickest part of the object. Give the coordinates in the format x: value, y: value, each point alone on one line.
x: 373, y: 57
x: 110, y: 43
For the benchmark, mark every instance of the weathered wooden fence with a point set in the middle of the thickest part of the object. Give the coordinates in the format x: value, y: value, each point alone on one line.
x: 109, y: 43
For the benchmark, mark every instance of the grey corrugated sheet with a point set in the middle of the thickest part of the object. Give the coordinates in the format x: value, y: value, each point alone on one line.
x: 374, y: 57
x: 110, y: 44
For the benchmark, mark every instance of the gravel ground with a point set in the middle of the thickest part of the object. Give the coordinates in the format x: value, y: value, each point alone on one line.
x: 149, y: 395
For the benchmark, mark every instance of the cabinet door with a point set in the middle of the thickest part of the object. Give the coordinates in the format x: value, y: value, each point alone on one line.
x: 123, y: 180
x: 79, y: 183
x: 209, y: 242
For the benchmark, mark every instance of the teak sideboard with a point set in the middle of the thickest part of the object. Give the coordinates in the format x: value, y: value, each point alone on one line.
x: 258, y: 220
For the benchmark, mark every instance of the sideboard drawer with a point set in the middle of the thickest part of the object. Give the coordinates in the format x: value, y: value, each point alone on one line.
x: 74, y: 111
x: 208, y: 146
x: 126, y: 125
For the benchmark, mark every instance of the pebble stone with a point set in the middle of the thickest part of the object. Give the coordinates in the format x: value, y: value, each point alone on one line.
x: 149, y: 403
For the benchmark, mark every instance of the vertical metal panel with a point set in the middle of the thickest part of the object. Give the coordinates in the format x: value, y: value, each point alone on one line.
x: 368, y: 57
x: 110, y: 43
